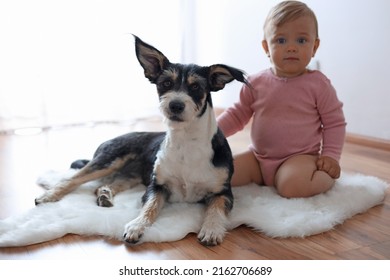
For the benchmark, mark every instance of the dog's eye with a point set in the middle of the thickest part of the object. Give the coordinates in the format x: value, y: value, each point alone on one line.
x: 167, y: 84
x: 194, y: 86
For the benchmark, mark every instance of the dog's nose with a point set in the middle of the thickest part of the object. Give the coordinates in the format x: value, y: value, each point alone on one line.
x: 176, y: 107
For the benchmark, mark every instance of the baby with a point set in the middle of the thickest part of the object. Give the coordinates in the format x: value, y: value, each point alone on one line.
x: 298, y: 125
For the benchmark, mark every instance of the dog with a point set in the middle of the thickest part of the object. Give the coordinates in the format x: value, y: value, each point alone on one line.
x: 190, y: 162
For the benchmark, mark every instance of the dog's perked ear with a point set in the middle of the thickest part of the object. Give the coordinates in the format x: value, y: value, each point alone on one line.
x: 220, y: 75
x: 151, y: 59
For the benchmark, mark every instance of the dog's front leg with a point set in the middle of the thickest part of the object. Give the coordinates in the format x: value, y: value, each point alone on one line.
x: 154, y: 200
x: 214, y: 226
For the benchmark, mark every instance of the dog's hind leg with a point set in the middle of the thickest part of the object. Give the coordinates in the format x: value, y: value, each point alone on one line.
x: 92, y: 171
x: 106, y: 193
x: 214, y: 226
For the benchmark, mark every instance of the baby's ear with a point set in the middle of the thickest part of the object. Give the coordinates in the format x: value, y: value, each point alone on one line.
x: 265, y: 47
x: 220, y: 75
x: 316, y: 46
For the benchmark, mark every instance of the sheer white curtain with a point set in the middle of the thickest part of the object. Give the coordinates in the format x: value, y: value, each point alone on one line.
x: 73, y: 61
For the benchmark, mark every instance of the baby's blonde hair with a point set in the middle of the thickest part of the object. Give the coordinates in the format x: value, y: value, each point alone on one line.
x: 287, y: 11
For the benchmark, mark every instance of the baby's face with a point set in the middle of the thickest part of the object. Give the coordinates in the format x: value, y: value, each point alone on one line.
x: 291, y: 46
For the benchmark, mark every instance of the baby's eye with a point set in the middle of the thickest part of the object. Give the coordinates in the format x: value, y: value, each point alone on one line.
x: 281, y: 40
x: 301, y: 40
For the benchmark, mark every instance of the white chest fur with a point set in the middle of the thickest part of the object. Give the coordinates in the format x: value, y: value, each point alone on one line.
x: 184, y: 163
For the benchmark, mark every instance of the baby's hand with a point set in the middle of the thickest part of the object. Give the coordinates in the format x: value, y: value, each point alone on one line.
x: 329, y: 165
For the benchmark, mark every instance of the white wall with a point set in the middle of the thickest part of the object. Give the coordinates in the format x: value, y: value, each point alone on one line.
x: 355, y: 55
x: 61, y: 59
x: 354, y: 51
x: 74, y: 60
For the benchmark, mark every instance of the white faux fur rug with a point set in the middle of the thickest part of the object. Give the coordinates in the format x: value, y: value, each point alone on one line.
x: 257, y: 207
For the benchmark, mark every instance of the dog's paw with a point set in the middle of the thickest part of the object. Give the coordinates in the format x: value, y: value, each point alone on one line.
x: 105, y: 197
x: 133, y: 232
x: 211, y: 236
x: 104, y: 201
x: 48, y: 196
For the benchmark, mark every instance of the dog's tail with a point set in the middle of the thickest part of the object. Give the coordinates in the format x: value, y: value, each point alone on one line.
x: 78, y: 164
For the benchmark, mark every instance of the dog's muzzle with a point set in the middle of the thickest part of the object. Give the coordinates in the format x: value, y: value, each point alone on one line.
x: 176, y: 108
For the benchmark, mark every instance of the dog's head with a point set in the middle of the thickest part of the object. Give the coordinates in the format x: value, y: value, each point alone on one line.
x: 183, y: 89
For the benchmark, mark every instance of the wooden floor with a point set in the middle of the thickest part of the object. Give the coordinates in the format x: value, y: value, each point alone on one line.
x: 23, y: 158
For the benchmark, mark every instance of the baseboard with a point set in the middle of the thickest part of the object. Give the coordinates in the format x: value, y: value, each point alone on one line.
x: 368, y: 141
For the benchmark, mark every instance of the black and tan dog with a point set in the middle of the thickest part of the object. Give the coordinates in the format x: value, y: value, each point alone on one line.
x: 191, y: 162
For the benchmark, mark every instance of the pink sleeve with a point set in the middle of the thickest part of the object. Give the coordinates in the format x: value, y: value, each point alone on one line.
x: 333, y: 121
x: 236, y: 117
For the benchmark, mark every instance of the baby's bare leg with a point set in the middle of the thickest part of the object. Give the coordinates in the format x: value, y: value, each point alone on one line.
x: 246, y: 170
x: 298, y: 177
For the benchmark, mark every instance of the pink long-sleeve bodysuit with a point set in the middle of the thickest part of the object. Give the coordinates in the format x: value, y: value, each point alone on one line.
x: 291, y: 116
